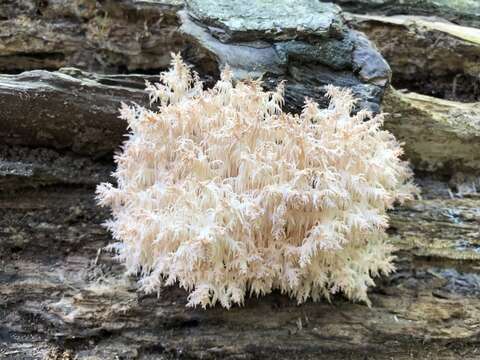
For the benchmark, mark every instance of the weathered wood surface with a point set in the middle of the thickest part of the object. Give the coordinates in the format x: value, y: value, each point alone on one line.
x: 439, y: 135
x: 139, y: 36
x: 59, y: 296
x: 62, y: 299
x: 463, y: 12
x: 68, y: 109
x: 427, y: 54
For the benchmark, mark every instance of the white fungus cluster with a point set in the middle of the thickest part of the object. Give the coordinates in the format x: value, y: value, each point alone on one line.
x: 226, y: 195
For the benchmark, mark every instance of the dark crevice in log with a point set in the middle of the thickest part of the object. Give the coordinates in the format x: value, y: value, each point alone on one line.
x: 455, y: 86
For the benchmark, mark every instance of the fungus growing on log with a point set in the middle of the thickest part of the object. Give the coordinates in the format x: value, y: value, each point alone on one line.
x: 223, y: 193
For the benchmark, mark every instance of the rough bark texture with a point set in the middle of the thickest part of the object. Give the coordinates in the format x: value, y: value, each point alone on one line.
x: 67, y: 109
x: 439, y: 135
x: 132, y: 36
x: 123, y: 35
x: 62, y: 299
x: 427, y: 55
x: 463, y: 12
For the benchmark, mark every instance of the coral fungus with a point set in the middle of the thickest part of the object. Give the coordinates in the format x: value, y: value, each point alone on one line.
x: 224, y: 193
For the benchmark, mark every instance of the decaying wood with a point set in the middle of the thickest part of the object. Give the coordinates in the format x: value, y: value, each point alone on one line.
x: 427, y: 54
x: 439, y: 135
x: 60, y: 295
